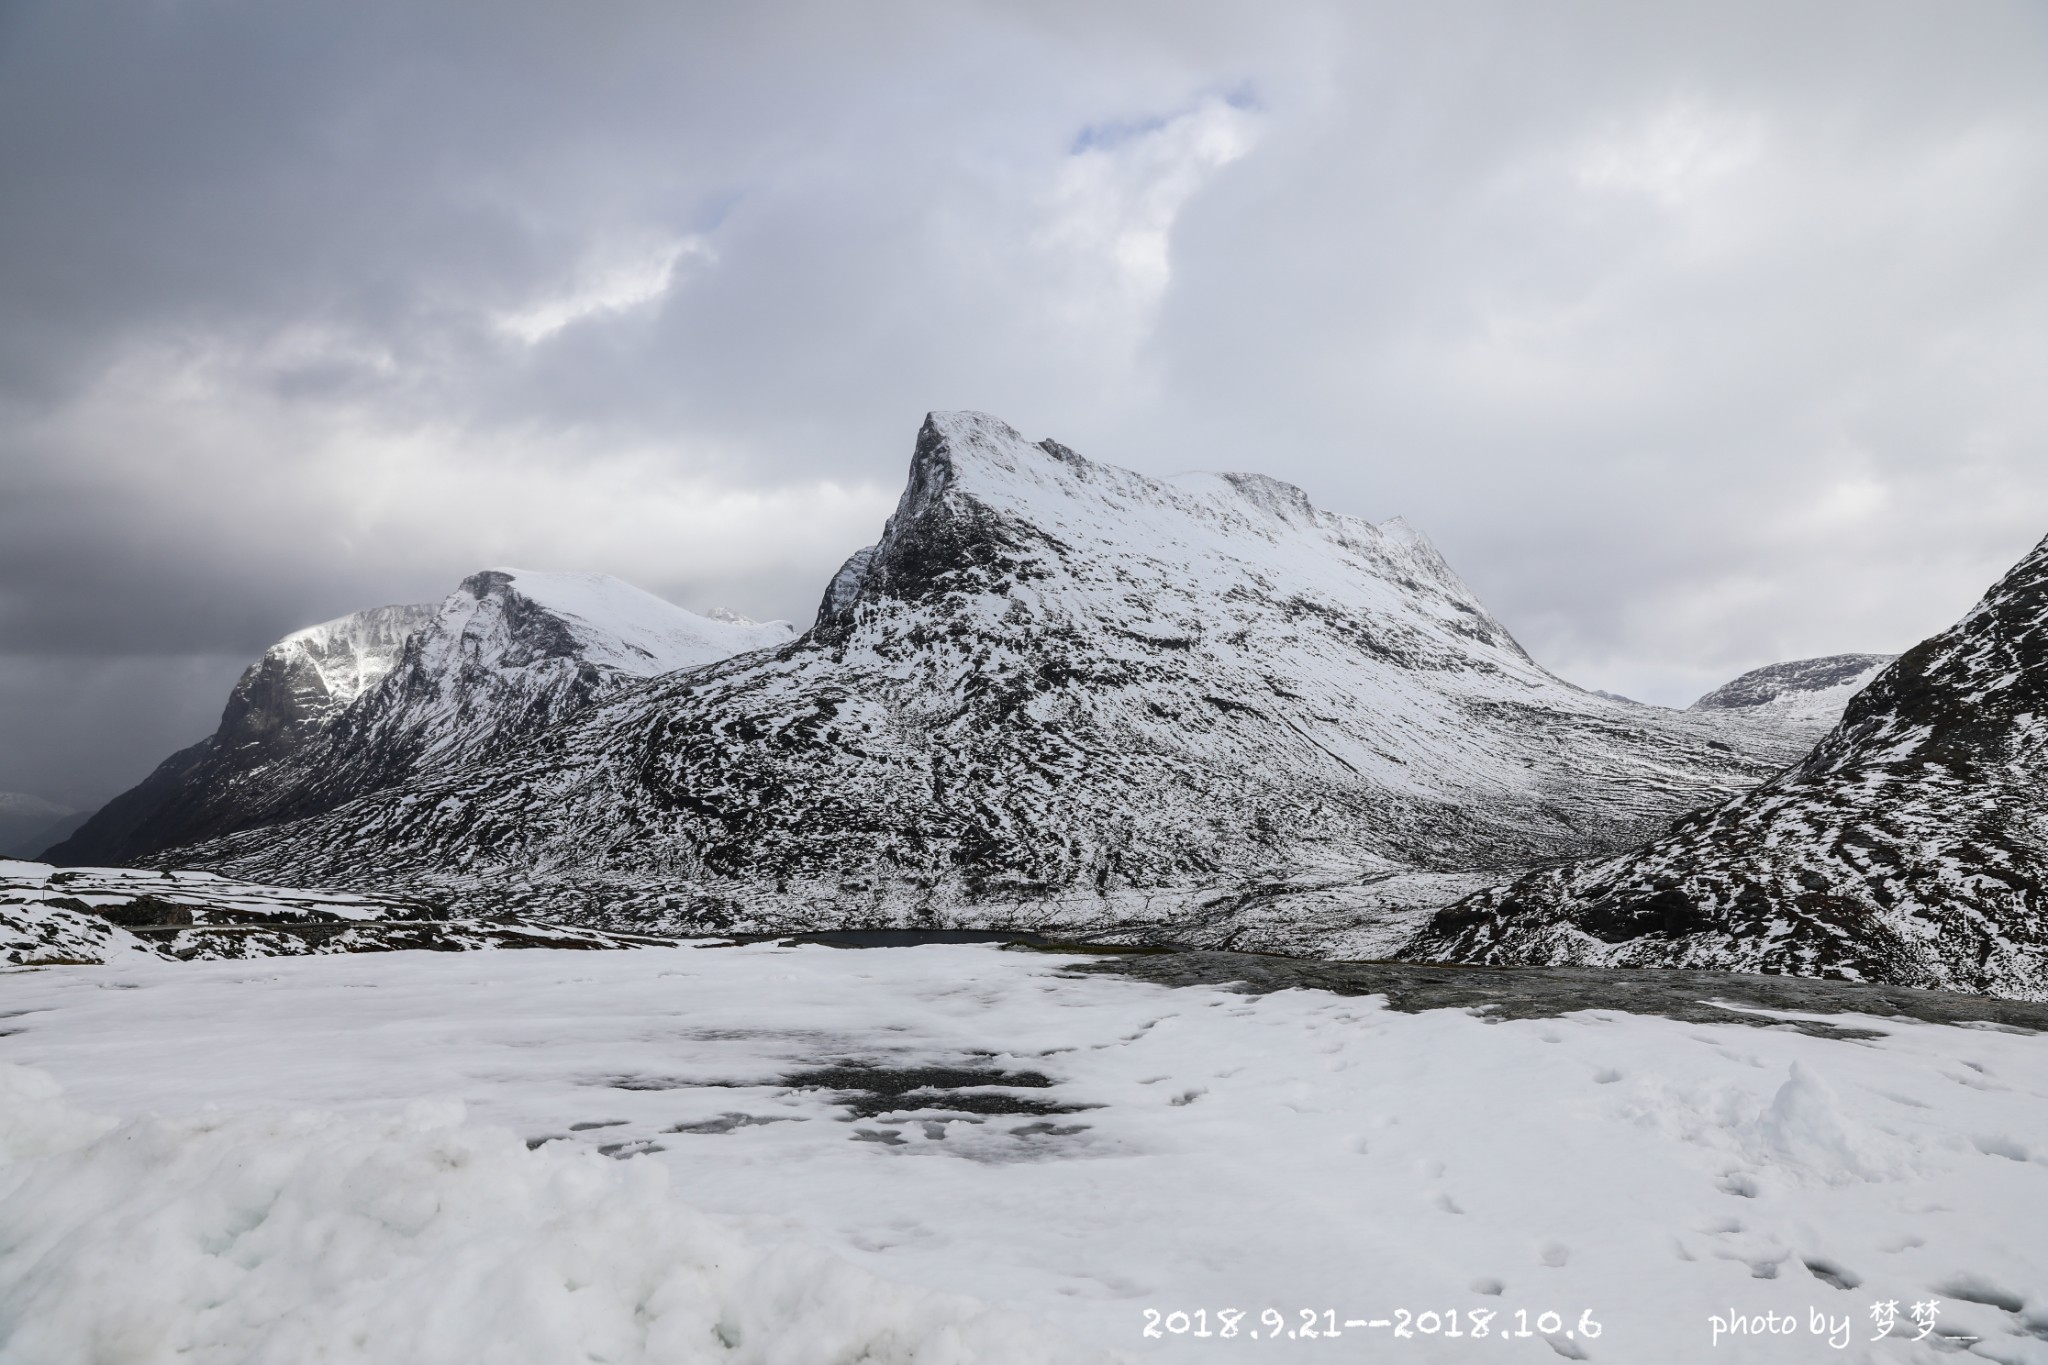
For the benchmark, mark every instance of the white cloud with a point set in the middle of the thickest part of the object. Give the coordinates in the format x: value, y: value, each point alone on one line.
x: 1673, y: 154
x: 1635, y: 310
x: 616, y: 278
x: 1107, y: 234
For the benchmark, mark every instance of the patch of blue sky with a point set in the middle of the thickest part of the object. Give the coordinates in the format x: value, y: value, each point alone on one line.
x: 1113, y: 133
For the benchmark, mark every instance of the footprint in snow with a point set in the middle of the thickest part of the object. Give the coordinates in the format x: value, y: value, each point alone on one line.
x: 1997, y: 1144
x: 1974, y: 1288
x: 1738, y: 1183
x: 1831, y: 1272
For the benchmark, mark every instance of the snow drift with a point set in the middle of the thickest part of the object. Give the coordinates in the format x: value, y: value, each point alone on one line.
x: 282, y: 1236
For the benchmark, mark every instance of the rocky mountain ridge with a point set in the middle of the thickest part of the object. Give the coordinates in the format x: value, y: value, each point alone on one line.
x: 1910, y: 846
x: 369, y: 699
x: 1055, y: 692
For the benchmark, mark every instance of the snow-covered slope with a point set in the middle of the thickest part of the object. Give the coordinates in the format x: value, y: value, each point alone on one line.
x: 359, y: 703
x: 1805, y: 689
x: 278, y: 709
x: 508, y: 654
x: 1910, y: 846
x: 1055, y: 690
x: 329, y: 665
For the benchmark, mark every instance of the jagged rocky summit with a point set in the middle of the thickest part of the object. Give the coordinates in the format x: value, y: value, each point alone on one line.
x: 1910, y: 846
x: 366, y: 701
x: 1054, y: 692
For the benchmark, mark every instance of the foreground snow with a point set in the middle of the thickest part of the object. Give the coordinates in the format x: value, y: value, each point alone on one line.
x: 302, y: 1236
x: 280, y: 1174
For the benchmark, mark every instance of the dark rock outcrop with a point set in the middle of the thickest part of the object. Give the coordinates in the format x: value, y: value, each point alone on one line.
x: 1911, y: 845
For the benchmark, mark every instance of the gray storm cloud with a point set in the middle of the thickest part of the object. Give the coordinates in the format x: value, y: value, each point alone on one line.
x: 1697, y: 337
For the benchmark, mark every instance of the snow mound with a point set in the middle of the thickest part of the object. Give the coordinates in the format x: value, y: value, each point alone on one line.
x: 1805, y: 1126
x: 307, y: 1236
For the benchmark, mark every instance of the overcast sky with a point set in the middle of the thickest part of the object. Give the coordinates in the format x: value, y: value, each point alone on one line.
x: 1696, y: 336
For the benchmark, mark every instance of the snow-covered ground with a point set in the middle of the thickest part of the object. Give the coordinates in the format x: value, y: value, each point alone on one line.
x: 282, y: 1172
x: 76, y: 916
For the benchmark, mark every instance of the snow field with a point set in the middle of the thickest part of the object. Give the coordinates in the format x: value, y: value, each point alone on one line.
x: 1083, y: 1150
x: 280, y: 1236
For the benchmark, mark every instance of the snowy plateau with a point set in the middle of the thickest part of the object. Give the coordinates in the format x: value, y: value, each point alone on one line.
x: 1353, y: 988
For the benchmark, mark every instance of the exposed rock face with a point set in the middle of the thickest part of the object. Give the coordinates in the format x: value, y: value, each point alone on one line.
x: 1910, y: 846
x: 1055, y: 691
x: 278, y: 711
x: 360, y: 703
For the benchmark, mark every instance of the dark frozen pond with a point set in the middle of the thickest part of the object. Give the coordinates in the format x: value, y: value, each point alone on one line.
x: 1543, y: 992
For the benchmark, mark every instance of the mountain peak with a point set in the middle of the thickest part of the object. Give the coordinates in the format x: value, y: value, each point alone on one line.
x: 595, y: 618
x: 366, y: 700
x: 1054, y: 687
x: 311, y: 675
x: 977, y: 453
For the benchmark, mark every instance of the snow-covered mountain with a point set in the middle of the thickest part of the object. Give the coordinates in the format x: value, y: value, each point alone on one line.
x: 1054, y: 691
x: 1910, y: 846
x: 355, y: 704
x: 29, y: 824
x: 1805, y: 688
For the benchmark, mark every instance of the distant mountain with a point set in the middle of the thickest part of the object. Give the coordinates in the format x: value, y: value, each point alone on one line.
x: 1910, y: 846
x: 30, y: 824
x: 1820, y: 687
x: 360, y: 703
x: 1055, y: 690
